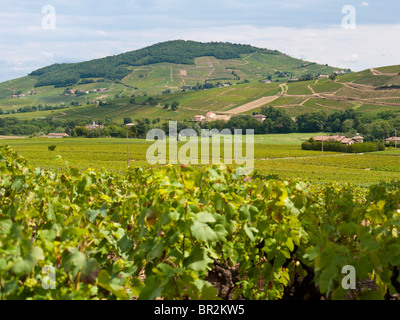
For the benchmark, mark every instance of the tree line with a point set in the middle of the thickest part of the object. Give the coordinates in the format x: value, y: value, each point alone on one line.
x: 373, y: 127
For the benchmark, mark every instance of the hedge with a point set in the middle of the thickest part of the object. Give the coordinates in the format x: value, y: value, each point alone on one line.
x: 339, y: 147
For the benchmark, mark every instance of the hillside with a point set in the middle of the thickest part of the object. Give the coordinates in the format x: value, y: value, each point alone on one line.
x: 370, y: 91
x: 234, y: 86
x: 163, y: 67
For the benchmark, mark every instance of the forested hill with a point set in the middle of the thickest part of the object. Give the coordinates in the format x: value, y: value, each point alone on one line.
x: 115, y: 67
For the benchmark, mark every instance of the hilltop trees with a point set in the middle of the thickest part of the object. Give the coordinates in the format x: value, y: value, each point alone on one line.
x: 116, y: 67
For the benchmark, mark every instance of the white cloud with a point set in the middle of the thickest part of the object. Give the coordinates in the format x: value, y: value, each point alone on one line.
x: 365, y: 4
x: 365, y: 47
x: 25, y: 46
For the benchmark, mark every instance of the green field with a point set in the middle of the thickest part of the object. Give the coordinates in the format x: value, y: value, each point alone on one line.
x: 275, y: 155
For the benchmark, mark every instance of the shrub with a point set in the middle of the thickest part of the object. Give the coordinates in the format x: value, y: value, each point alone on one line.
x: 52, y: 147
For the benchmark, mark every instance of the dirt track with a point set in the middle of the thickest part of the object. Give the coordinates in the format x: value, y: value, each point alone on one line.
x: 252, y: 105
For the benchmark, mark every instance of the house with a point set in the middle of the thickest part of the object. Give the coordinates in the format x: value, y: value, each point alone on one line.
x: 323, y: 76
x: 358, y: 138
x: 393, y: 139
x: 211, y: 115
x: 221, y: 117
x: 266, y: 81
x: 199, y: 118
x: 342, y: 139
x: 57, y: 135
x: 94, y: 126
x: 329, y: 138
x: 260, y: 117
x: 348, y: 141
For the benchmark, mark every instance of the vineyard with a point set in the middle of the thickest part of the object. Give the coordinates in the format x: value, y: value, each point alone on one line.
x: 177, y: 233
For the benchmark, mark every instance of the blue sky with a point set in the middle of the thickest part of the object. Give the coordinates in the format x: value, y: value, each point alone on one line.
x: 307, y: 29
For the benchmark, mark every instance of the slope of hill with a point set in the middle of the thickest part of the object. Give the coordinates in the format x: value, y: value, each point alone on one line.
x: 348, y: 92
x: 371, y: 91
x: 164, y: 67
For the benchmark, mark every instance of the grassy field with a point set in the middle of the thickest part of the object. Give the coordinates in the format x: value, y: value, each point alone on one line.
x: 275, y: 155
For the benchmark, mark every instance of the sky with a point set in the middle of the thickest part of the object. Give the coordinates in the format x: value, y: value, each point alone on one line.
x: 348, y: 34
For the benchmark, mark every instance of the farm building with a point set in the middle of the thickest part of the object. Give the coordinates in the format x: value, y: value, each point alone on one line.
x: 199, y: 118
x: 57, y: 135
x: 211, y: 115
x: 393, y: 139
x: 260, y: 117
x: 94, y: 126
x: 342, y: 139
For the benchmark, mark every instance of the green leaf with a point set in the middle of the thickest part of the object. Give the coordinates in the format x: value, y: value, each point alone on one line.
x: 92, y: 215
x: 198, y: 260
x: 3, y: 265
x: 393, y: 254
x: 5, y: 225
x: 36, y: 254
x: 77, y: 262
x: 136, y: 286
x: 244, y: 213
x: 151, y: 290
x: 104, y: 281
x: 156, y: 250
x: 25, y: 266
x: 290, y: 244
x: 125, y: 244
x: 10, y: 287
x: 203, y: 232
x: 22, y: 267
x: 205, y: 217
x: 17, y: 185
x: 207, y: 291
x: 326, y: 279
x: 249, y: 231
x: 48, y: 235
x: 221, y: 232
x: 348, y: 229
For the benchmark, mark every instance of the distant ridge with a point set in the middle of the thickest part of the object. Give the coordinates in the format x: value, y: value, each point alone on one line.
x: 115, y: 67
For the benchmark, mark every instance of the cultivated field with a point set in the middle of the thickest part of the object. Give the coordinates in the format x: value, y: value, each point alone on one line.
x: 275, y: 156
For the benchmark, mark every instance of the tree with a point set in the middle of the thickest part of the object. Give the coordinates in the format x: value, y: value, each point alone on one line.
x: 332, y: 76
x: 311, y: 122
x: 174, y: 106
x: 381, y: 129
x: 285, y: 124
x: 336, y: 125
x: 81, y: 131
x: 347, y: 125
x: 127, y: 120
